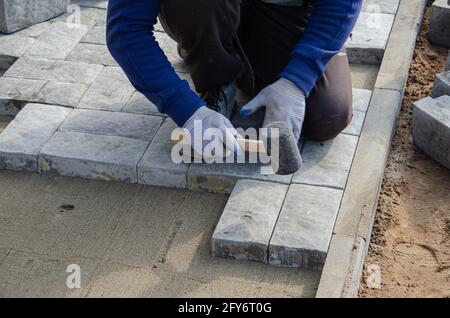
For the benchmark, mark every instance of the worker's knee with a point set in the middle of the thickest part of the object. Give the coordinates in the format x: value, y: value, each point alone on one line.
x: 327, y: 125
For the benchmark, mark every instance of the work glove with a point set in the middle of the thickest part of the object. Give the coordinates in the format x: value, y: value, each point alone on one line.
x: 284, y: 102
x: 208, y: 129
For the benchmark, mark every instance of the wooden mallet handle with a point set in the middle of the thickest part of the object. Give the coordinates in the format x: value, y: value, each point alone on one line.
x: 248, y: 145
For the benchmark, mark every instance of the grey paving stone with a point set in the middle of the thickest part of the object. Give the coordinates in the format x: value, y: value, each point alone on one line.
x: 380, y: 6
x: 441, y: 85
x: 109, y: 158
x: 92, y: 53
x: 246, y: 225
x: 143, y: 127
x: 34, y: 31
x: 14, y: 45
x: 157, y: 167
x: 431, y: 128
x: 57, y: 71
x: 327, y: 163
x: 18, y: 14
x: 139, y: 104
x: 439, y: 32
x: 110, y: 91
x: 170, y: 49
x: 83, y: 15
x: 57, y: 93
x: 20, y: 88
x: 361, y: 99
x: 393, y: 71
x: 304, y: 228
x: 101, y: 4
x: 361, y: 193
x: 222, y: 177
x: 369, y: 38
x: 96, y: 35
x: 356, y: 124
x: 57, y: 42
x: 22, y: 140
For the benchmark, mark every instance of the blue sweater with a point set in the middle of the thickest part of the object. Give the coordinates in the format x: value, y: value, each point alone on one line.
x: 131, y: 42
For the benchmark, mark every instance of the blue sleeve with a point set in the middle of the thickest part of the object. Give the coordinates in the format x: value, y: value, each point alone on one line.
x: 327, y: 31
x: 130, y: 39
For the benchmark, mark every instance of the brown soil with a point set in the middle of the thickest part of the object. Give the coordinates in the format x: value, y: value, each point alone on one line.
x: 411, y: 236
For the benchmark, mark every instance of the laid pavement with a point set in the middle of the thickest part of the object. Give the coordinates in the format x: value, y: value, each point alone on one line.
x: 156, y: 241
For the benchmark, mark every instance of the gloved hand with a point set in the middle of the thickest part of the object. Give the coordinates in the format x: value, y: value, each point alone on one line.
x: 219, y: 132
x: 284, y: 102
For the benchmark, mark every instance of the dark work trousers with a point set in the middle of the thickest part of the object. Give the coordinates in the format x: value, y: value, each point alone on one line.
x: 251, y: 41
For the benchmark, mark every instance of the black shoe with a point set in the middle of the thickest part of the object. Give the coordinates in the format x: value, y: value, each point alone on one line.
x: 221, y: 99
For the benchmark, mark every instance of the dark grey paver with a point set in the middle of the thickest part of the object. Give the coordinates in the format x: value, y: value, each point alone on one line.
x: 247, y: 222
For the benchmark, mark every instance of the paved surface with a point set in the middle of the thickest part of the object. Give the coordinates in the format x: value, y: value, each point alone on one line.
x: 129, y: 240
x: 95, y: 88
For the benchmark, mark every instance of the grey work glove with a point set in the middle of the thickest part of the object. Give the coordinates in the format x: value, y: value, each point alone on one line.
x: 208, y: 128
x: 284, y: 102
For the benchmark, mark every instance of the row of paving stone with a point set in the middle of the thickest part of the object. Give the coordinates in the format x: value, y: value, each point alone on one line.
x: 137, y: 148
x: 109, y: 131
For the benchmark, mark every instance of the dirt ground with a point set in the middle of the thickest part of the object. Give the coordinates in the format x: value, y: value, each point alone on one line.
x: 411, y: 237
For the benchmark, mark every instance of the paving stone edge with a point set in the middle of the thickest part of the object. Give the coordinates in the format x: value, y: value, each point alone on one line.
x: 344, y: 265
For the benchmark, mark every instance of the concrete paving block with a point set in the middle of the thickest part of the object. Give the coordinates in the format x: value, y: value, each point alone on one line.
x: 96, y: 35
x: 106, y: 123
x: 439, y: 32
x: 65, y: 94
x: 304, y: 228
x: 169, y: 47
x: 431, y: 128
x: 24, y: 137
x: 441, y: 85
x: 92, y: 53
x: 110, y: 91
x: 84, y: 15
x: 246, y: 225
x: 14, y: 45
x: 361, y: 99
x: 327, y: 163
x: 57, y: 71
x: 57, y: 42
x: 34, y: 31
x: 393, y: 72
x: 19, y: 14
x: 139, y: 104
x: 109, y: 158
x: 157, y: 167
x: 356, y: 124
x: 334, y: 274
x: 380, y: 6
x: 369, y: 38
x: 20, y: 88
x: 222, y: 177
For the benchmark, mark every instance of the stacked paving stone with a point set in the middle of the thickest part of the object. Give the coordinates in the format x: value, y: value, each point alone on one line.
x: 431, y: 120
x: 18, y: 14
x: 78, y: 115
x: 431, y: 128
x: 439, y: 32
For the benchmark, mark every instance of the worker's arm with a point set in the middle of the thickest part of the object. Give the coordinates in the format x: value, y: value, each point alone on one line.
x: 131, y: 42
x: 327, y: 31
